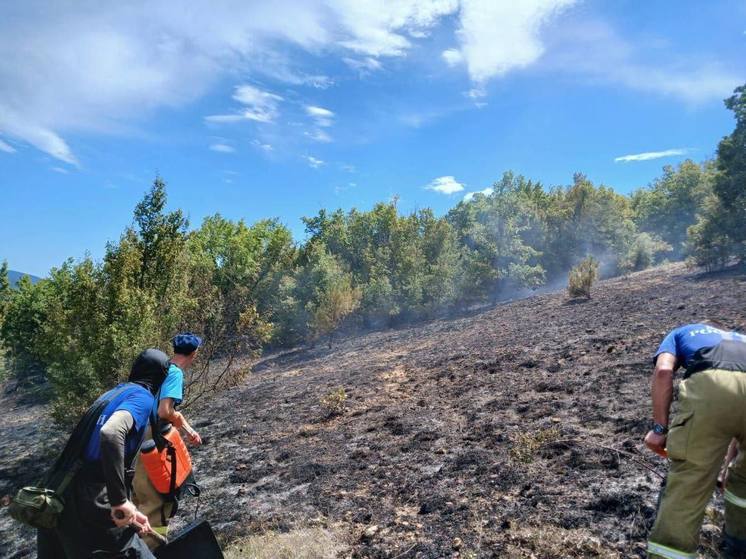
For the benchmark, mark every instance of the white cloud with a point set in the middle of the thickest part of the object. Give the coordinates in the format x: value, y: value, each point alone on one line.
x: 261, y: 106
x: 375, y: 26
x: 499, y: 35
x: 60, y: 170
x: 322, y: 117
x: 445, y: 185
x: 313, y: 162
x: 319, y: 135
x: 470, y: 195
x: 262, y: 146
x: 593, y: 50
x: 7, y: 148
x: 363, y: 66
x: 93, y: 67
x: 453, y: 57
x: 222, y: 148
x: 648, y: 155
x: 224, y: 119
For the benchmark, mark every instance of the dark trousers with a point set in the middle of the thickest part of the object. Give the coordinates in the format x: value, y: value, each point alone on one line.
x: 86, y: 529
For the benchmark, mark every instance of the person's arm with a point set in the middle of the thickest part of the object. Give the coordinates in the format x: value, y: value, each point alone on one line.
x: 113, y: 437
x: 662, y: 395
x: 167, y: 412
x: 112, y: 444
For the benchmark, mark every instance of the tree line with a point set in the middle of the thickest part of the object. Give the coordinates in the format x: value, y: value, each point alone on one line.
x: 246, y: 288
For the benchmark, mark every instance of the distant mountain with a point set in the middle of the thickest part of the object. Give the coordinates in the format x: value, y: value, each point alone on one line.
x: 14, y: 276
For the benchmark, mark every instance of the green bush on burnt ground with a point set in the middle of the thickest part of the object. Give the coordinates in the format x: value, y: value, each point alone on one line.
x: 524, y: 446
x: 335, y: 402
x: 582, y: 278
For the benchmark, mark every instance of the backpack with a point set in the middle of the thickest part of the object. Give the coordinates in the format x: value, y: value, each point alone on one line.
x: 166, y: 460
x: 41, y: 507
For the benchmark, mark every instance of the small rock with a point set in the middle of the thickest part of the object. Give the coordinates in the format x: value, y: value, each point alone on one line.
x: 370, y: 532
x: 457, y: 543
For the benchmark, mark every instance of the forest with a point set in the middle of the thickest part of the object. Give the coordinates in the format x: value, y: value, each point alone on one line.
x: 248, y: 288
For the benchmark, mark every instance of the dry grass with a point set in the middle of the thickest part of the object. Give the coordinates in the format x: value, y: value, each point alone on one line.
x: 303, y: 543
x: 552, y: 542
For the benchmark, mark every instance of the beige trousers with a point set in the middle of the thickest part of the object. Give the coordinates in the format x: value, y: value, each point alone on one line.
x: 712, y: 410
x: 149, y: 501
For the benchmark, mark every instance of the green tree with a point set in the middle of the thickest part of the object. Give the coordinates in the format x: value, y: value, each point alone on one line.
x: 23, y: 327
x: 720, y: 234
x: 324, y: 292
x: 644, y: 252
x: 247, y: 265
x: 495, y: 233
x: 5, y: 292
x: 670, y: 205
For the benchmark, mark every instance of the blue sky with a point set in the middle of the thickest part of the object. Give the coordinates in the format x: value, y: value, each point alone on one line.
x: 277, y: 109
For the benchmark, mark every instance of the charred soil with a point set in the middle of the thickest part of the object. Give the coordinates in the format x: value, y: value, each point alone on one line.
x: 514, y: 432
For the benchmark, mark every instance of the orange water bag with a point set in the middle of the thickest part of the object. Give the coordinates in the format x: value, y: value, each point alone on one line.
x: 169, y: 467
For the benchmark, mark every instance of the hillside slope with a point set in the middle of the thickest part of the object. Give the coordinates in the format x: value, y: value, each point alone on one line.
x: 481, y: 436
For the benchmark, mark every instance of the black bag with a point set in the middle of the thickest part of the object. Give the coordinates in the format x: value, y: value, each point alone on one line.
x: 41, y: 507
x: 195, y: 540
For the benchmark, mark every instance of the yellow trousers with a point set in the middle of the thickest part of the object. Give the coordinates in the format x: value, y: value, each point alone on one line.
x: 712, y: 411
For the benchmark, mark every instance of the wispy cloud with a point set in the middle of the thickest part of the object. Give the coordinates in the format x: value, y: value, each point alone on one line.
x: 6, y: 147
x: 322, y: 117
x: 313, y: 162
x: 319, y: 136
x: 593, y: 50
x: 60, y: 170
x: 262, y: 146
x: 363, y: 66
x: 445, y: 185
x: 648, y: 155
x: 222, y: 148
x: 259, y: 106
x: 470, y: 195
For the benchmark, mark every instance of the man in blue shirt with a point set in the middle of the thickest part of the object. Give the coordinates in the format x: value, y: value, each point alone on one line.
x: 98, y: 517
x: 711, y: 406
x: 157, y: 507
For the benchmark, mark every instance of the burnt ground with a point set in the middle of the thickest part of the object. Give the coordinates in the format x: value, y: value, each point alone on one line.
x: 513, y: 432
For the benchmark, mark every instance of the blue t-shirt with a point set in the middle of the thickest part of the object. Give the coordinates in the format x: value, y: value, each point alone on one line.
x: 136, y: 400
x: 685, y: 341
x: 172, y: 387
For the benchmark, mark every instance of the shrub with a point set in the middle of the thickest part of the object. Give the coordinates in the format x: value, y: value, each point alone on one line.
x: 335, y: 402
x: 525, y: 445
x: 643, y: 252
x: 582, y: 278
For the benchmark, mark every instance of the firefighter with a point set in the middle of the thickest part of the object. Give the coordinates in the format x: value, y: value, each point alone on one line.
x: 711, y: 412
